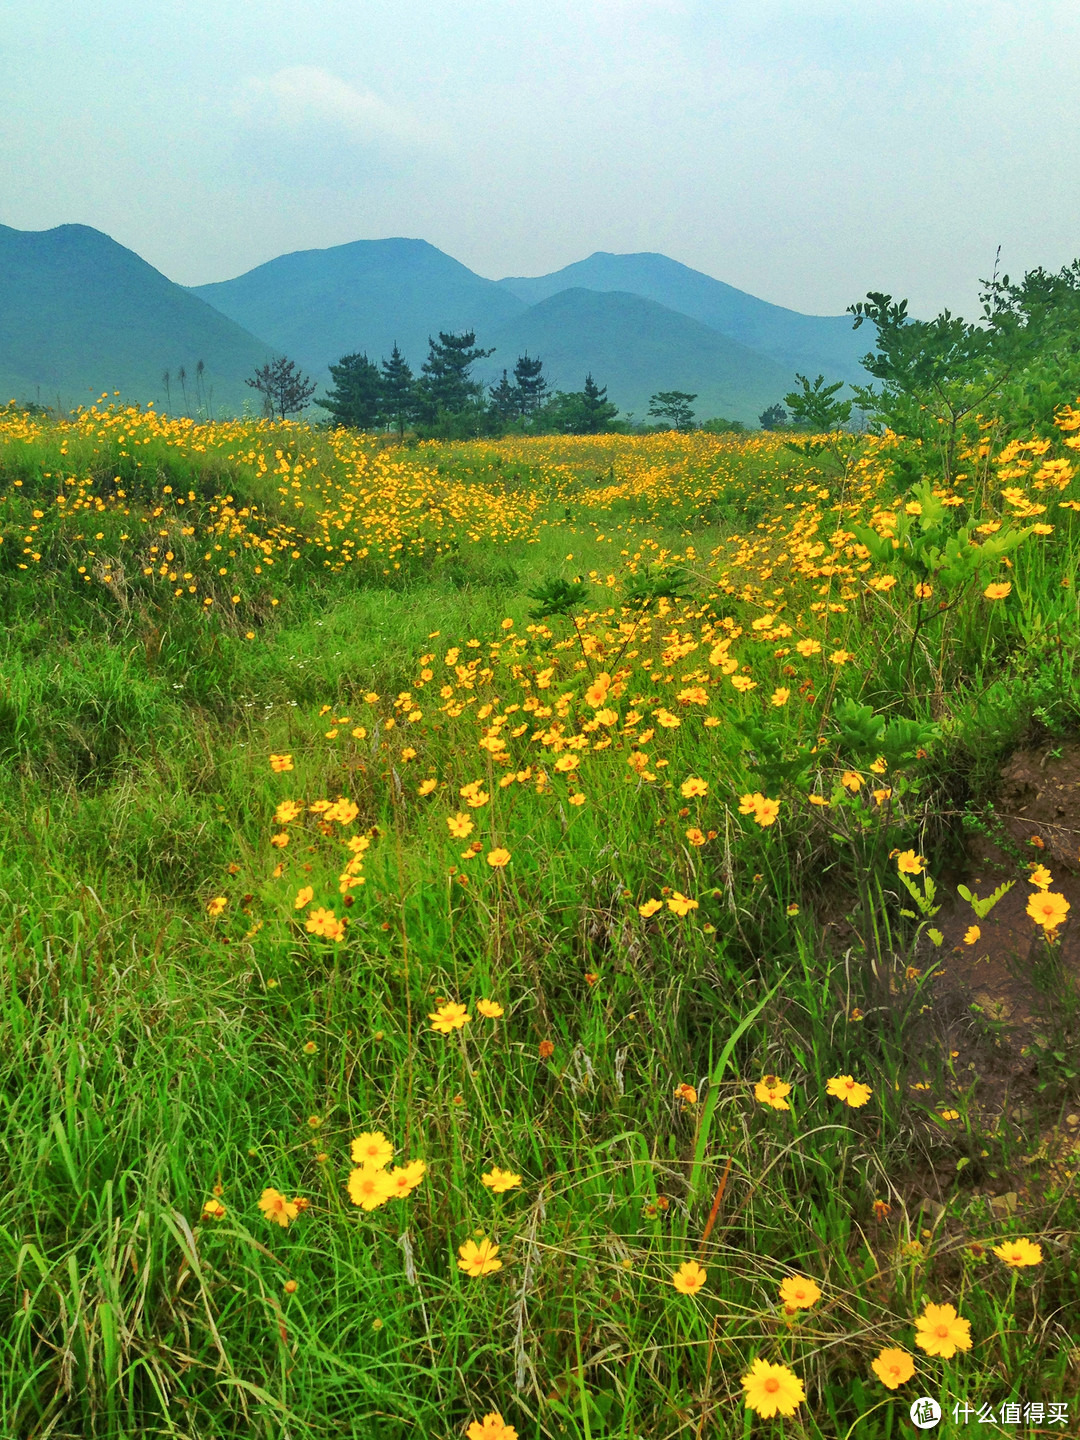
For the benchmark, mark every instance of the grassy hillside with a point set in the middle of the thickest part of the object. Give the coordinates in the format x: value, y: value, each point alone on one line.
x: 317, y: 305
x: 636, y: 347
x: 80, y: 314
x: 807, y: 343
x: 482, y: 935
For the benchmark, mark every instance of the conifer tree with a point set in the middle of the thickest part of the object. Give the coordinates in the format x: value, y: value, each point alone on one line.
x: 398, y: 391
x: 531, y: 386
x: 355, y: 400
x: 446, y: 385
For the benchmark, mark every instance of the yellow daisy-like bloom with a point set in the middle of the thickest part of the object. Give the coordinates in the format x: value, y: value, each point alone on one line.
x: 491, y: 1427
x: 280, y: 763
x: 426, y: 787
x: 596, y: 694
x: 576, y: 799
x: 479, y: 1259
x: 287, y: 812
x: 772, y: 1390
x: 280, y: 840
x: 498, y: 858
x: 799, y: 1293
x: 689, y: 1278
x: 460, y: 826
x: 779, y: 696
x: 500, y: 1180
x: 1019, y: 1253
x: 851, y: 780
x: 971, y: 934
x: 325, y: 923
x: 772, y: 1092
x: 213, y: 1210
x: 679, y: 904
x: 693, y: 787
x: 940, y: 1331
x: 908, y: 863
x: 490, y: 1009
x: 1040, y: 877
x: 841, y: 657
x: 369, y: 1188
x: 997, y: 591
x: 650, y: 907
x: 846, y: 1088
x: 923, y: 591
x: 215, y: 906
x: 371, y: 1148
x: 767, y: 811
x: 808, y: 647
x: 1048, y: 909
x: 449, y: 1017
x: 893, y: 1367
x: 405, y: 1178
x: 278, y: 1208
x: 303, y: 897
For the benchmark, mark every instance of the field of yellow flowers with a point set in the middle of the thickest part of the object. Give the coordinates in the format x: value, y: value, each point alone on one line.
x: 481, y: 925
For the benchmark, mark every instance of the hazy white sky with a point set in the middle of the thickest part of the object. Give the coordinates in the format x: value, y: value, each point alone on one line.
x: 804, y: 150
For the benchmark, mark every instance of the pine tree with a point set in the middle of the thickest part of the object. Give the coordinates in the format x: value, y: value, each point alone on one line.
x: 355, y: 400
x: 285, y: 389
x: 531, y: 386
x: 505, y: 399
x: 446, y: 385
x: 597, y: 411
x: 398, y: 391
x: 673, y: 405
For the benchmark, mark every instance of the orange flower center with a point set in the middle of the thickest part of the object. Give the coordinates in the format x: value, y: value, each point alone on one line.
x: 772, y: 1385
x: 942, y: 1332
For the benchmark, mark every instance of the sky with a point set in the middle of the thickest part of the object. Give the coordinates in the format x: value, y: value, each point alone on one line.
x: 804, y: 150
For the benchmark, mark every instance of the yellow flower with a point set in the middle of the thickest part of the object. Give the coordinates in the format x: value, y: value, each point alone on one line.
x: 566, y: 763
x: 371, y: 1148
x: 368, y: 1187
x: 287, y: 812
x: 971, y: 934
x: 772, y: 1390
x: 405, y: 1178
x: 680, y: 904
x: 426, y: 787
x: 686, y: 1093
x: 923, y: 591
x: 1018, y: 1253
x: 280, y: 840
x: 743, y: 683
x: 216, y: 905
x: 779, y: 696
x: 500, y: 1180
x: 667, y: 720
x: 908, y: 863
x: 303, y: 897
x: 799, y: 1293
x: 1041, y: 878
x: 772, y: 1092
x: 940, y: 1331
x: 492, y: 1427
x: 997, y: 591
x: 695, y: 836
x: 576, y: 799
x: 490, y: 1009
x: 851, y: 781
x: 1048, y: 909
x: 846, y: 1088
x: 841, y: 657
x: 689, y: 1278
x: 280, y: 763
x: 650, y: 907
x: 596, y: 694
x: 278, y: 1208
x: 326, y: 923
x: 693, y: 787
x: 460, y: 826
x: 449, y: 1017
x: 767, y: 811
x: 479, y: 1259
x: 498, y: 858
x: 213, y: 1210
x: 808, y: 647
x: 893, y: 1367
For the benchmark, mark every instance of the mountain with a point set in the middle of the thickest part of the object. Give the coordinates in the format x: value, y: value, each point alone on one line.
x: 317, y: 305
x: 80, y: 314
x: 808, y: 343
x: 636, y: 347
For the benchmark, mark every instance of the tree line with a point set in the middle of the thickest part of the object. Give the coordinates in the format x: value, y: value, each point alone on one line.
x: 446, y: 401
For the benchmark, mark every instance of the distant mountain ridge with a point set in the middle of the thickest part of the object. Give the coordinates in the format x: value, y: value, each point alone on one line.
x: 81, y: 314
x: 825, y: 343
x: 626, y: 342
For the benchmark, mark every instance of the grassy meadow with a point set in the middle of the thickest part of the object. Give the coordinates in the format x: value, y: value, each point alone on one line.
x: 477, y: 930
